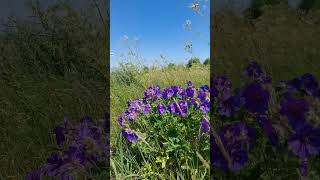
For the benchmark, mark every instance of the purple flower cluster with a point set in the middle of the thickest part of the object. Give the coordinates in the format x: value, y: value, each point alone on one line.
x: 237, y: 139
x: 304, y: 141
x: 252, y: 96
x: 174, y: 100
x: 256, y: 73
x: 306, y: 83
x: 85, y: 148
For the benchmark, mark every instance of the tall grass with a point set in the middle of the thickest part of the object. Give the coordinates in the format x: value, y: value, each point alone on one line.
x: 283, y: 40
x: 129, y: 82
x: 51, y: 66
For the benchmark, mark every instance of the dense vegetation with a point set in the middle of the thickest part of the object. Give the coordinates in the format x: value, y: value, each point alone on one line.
x: 52, y: 65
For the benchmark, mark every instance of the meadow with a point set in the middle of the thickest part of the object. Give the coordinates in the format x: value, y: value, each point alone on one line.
x: 129, y: 82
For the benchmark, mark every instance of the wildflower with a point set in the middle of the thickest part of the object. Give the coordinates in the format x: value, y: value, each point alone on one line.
x: 214, y: 92
x: 256, y: 98
x: 183, y: 108
x: 305, y: 142
x: 237, y: 133
x: 205, y: 125
x: 35, y: 175
x: 310, y: 83
x: 161, y: 108
x: 239, y: 158
x: 204, y: 88
x: 178, y: 90
x: 253, y: 70
x: 294, y: 110
x: 205, y: 107
x: 238, y: 155
x: 130, y: 135
x: 152, y: 93
x: 294, y: 84
x: 88, y: 136
x: 54, y: 164
x: 131, y: 115
x: 303, y: 167
x: 167, y: 93
x: 60, y: 138
x: 266, y: 126
x: 74, y: 155
x: 190, y: 92
x: 189, y: 84
x: 228, y: 106
x: 203, y: 96
x: 121, y: 119
x: 146, y: 109
x: 221, y: 83
x: 196, y: 102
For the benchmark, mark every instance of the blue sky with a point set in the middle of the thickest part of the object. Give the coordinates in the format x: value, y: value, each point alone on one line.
x: 159, y: 27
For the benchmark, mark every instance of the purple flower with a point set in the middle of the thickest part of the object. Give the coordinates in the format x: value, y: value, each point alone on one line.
x: 294, y: 84
x: 239, y: 158
x: 189, y: 84
x: 167, y: 93
x: 35, y: 175
x: 221, y: 83
x: 131, y: 115
x: 88, y: 136
x: 146, y: 108
x: 152, y: 93
x: 256, y: 98
x: 238, y: 155
x: 237, y: 133
x: 66, y: 176
x: 74, y: 155
x: 204, y: 88
x: 205, y: 125
x: 203, y: 96
x: 183, y: 111
x: 205, y: 107
x: 53, y: 165
x: 305, y: 142
x: 178, y: 90
x: 196, y: 102
x: 294, y: 110
x: 121, y: 119
x: 303, y: 167
x: 60, y: 138
x: 268, y: 129
x: 130, y: 135
x: 310, y: 83
x: 161, y: 108
x: 228, y: 107
x: 180, y: 108
x: 190, y: 92
x: 253, y: 70
x: 214, y: 92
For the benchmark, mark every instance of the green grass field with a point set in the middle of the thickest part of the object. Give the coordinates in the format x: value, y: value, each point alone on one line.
x: 129, y: 83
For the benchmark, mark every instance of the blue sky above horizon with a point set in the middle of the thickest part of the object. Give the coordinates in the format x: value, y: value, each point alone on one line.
x: 159, y: 27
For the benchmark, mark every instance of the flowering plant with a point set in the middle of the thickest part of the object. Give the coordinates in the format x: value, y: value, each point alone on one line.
x: 264, y: 131
x: 82, y: 152
x: 170, y: 126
